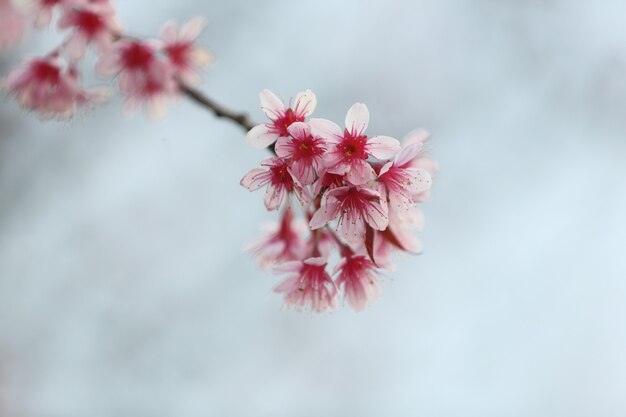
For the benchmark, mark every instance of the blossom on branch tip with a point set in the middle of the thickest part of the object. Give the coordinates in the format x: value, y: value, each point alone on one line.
x: 183, y: 55
x: 280, y: 183
x: 350, y: 149
x: 281, y: 117
x: 308, y: 287
x: 46, y: 86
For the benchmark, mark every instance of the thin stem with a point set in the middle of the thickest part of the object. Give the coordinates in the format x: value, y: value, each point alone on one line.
x: 241, y: 119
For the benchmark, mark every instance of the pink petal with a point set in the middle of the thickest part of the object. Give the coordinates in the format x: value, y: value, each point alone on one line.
x: 407, y: 154
x: 169, y: 32
x: 376, y: 217
x: 303, y: 171
x: 326, y: 129
x: 76, y: 46
x: 357, y: 119
x: 305, y: 103
x: 299, y: 130
x: 385, y: 168
x: 325, y: 214
x: 383, y: 147
x: 360, y: 172
x: 283, y: 147
x: 316, y: 261
x: 416, y: 136
x: 274, y: 197
x: 287, y: 267
x: 255, y: 179
x: 271, y: 105
x: 420, y: 181
x: 352, y: 230
x: 260, y: 136
x: 191, y: 30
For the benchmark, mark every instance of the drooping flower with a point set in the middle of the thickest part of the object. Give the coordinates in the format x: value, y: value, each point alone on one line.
x: 355, y: 207
x: 46, y: 86
x: 308, y: 287
x: 357, y: 277
x: 181, y: 51
x: 350, y: 149
x: 280, y: 183
x: 304, y: 151
x: 142, y: 77
x: 12, y: 25
x: 281, y: 117
x: 92, y: 21
x: 283, y: 243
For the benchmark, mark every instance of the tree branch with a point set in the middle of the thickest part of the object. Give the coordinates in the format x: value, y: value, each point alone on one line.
x: 240, y: 119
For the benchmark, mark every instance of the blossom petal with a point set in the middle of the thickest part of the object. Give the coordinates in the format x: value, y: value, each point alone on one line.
x: 305, y: 103
x: 357, y: 119
x: 325, y: 214
x: 416, y: 136
x: 383, y: 147
x: 192, y: 29
x: 360, y: 172
x: 260, y: 136
x: 326, y: 129
x: 407, y: 154
x: 299, y: 130
x: 255, y: 179
x: 274, y: 197
x: 169, y: 32
x: 271, y: 105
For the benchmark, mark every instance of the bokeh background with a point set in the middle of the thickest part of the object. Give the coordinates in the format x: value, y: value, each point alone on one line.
x: 124, y: 290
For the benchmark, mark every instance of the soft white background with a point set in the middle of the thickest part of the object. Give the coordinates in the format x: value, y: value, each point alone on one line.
x: 124, y: 292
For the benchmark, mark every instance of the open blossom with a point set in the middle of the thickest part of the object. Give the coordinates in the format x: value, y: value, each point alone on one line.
x: 308, y: 286
x: 92, y: 21
x: 400, y: 181
x: 283, y: 243
x: 12, y: 25
x: 357, y: 277
x: 281, y: 117
x: 142, y: 77
x: 280, y: 183
x: 181, y: 51
x: 354, y: 207
x: 45, y: 86
x: 304, y: 151
x: 349, y: 149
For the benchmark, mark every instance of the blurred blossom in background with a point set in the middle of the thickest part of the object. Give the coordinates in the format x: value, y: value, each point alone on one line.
x: 124, y: 290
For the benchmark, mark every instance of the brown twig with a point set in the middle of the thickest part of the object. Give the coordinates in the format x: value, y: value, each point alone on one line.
x: 240, y: 119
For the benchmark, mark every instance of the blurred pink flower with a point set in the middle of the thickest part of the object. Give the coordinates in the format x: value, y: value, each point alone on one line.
x: 182, y: 53
x: 308, y: 286
x: 12, y: 25
x: 357, y: 277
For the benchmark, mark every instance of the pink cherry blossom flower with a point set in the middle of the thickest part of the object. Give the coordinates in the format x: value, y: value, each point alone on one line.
x: 93, y: 21
x: 46, y: 87
x: 283, y: 243
x: 357, y: 277
x: 400, y: 182
x: 142, y: 77
x: 280, y: 183
x: 12, y: 25
x: 308, y: 287
x: 304, y: 151
x: 281, y: 117
x: 183, y: 55
x: 350, y: 149
x: 355, y: 207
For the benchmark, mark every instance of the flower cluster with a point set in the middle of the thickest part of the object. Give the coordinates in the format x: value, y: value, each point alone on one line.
x: 358, y: 194
x: 148, y: 72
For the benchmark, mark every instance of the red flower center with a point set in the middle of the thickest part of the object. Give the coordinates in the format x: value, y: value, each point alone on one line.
x: 285, y: 120
x: 46, y: 72
x: 178, y: 53
x: 89, y: 22
x: 281, y: 176
x: 353, y: 147
x: 136, y: 56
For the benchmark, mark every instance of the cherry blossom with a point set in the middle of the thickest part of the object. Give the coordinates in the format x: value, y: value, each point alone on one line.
x: 351, y: 148
x: 357, y: 277
x: 281, y: 117
x: 93, y: 21
x: 282, y: 243
x: 308, y: 286
x: 47, y: 87
x: 182, y: 53
x: 280, y: 183
x: 12, y: 25
x: 354, y: 207
x: 143, y: 78
x: 304, y: 151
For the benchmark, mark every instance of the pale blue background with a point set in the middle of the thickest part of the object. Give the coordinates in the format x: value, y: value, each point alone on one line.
x: 123, y: 290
